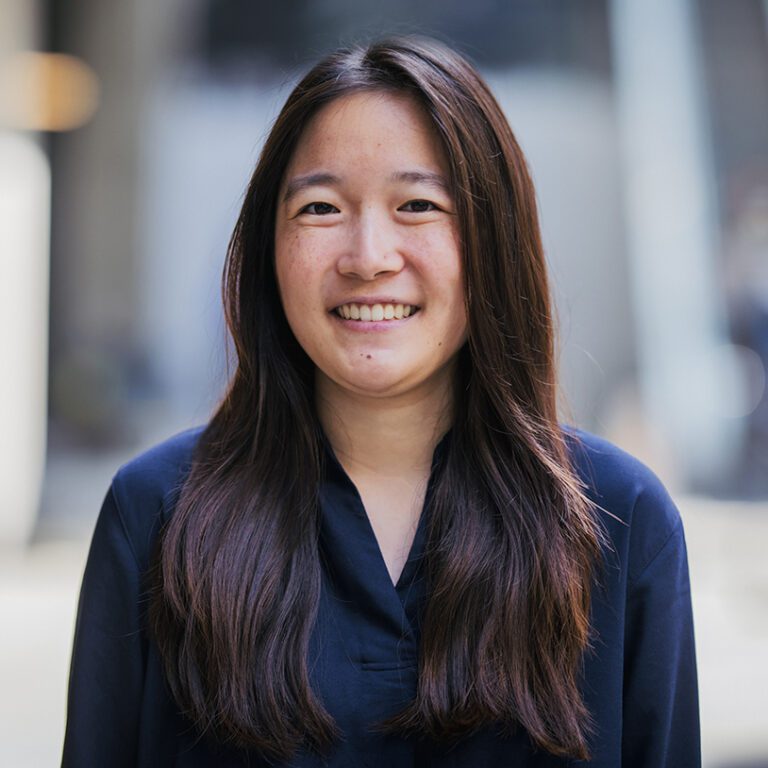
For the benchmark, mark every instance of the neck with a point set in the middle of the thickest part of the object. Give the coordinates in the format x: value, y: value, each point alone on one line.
x: 394, y: 437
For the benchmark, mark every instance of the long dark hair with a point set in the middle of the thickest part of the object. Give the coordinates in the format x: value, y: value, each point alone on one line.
x: 513, y: 542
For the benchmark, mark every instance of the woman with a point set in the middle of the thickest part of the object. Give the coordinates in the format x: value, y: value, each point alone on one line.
x: 384, y: 550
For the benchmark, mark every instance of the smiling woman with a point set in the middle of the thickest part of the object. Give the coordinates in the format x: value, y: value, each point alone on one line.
x: 368, y: 222
x: 384, y: 549
x: 368, y: 264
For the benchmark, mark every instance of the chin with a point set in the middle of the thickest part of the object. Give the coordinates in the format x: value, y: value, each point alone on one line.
x: 375, y: 386
x: 377, y: 374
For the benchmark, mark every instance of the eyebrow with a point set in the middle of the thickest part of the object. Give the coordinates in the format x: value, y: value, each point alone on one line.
x: 299, y: 183
x: 430, y: 178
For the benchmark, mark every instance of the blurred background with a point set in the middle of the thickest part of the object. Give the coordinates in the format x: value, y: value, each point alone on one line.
x: 128, y: 131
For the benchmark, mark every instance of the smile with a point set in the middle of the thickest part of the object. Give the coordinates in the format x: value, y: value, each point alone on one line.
x: 374, y: 313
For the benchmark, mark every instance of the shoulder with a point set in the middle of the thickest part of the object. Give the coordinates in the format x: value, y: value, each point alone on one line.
x: 636, y: 509
x: 145, y: 489
x: 155, y: 470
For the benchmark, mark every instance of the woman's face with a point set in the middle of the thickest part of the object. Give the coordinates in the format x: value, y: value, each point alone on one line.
x: 367, y: 249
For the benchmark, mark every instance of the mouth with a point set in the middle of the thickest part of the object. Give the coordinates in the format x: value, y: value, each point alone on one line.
x: 375, y: 313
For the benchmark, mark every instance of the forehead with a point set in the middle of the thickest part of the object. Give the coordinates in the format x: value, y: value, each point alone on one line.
x: 365, y: 128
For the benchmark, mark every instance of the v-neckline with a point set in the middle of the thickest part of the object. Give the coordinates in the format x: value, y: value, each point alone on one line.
x: 415, y: 549
x: 369, y: 552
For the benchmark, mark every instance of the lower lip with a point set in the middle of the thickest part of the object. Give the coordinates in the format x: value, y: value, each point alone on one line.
x: 373, y: 326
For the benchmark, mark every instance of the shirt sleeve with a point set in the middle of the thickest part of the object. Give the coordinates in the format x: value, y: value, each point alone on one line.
x: 661, y: 712
x: 105, y: 684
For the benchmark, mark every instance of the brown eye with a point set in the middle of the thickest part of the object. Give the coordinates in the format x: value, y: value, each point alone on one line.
x: 319, y: 209
x: 418, y: 206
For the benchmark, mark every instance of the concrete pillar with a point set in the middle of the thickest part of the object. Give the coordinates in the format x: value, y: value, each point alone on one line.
x: 689, y: 378
x: 24, y: 267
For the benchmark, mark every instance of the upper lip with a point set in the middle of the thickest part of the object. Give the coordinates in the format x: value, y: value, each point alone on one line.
x: 371, y: 300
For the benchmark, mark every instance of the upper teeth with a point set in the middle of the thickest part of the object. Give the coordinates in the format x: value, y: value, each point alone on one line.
x: 375, y: 312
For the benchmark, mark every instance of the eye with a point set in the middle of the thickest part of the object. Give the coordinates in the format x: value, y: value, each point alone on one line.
x: 418, y: 206
x: 319, y: 209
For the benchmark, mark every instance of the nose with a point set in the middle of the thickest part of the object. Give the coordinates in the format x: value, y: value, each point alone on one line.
x: 373, y: 249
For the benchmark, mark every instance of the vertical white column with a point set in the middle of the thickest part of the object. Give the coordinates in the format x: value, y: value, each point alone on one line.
x: 688, y: 376
x: 24, y: 248
x: 24, y: 269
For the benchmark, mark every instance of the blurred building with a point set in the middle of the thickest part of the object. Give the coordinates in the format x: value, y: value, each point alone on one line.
x: 128, y: 131
x: 646, y: 128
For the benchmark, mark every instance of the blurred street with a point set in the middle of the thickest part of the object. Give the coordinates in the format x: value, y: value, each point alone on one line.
x: 38, y: 594
x: 127, y: 137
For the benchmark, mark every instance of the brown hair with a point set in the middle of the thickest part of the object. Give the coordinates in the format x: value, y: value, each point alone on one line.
x: 513, y: 542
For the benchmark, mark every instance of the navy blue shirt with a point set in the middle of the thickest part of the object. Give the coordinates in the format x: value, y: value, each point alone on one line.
x: 639, y: 682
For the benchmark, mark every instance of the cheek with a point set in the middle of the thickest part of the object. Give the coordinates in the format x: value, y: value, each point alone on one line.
x: 298, y: 267
x: 452, y: 275
x: 448, y: 273
x: 457, y: 328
